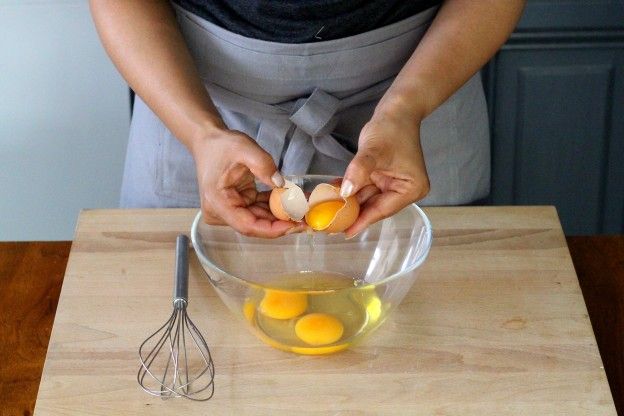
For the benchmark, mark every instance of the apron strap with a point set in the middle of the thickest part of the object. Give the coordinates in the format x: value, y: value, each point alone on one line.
x: 299, y: 154
x: 314, y: 118
x: 272, y: 137
x: 315, y: 114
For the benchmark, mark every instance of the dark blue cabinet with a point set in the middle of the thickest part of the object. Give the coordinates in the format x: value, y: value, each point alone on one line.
x: 556, y: 100
x: 571, y: 15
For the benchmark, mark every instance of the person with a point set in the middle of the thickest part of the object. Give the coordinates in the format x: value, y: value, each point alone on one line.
x: 230, y: 93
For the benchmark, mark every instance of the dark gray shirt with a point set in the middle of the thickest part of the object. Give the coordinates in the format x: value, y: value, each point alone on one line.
x: 299, y: 21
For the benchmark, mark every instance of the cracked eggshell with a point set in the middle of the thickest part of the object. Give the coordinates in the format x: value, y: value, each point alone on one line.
x: 288, y: 203
x: 324, y: 192
x: 345, y: 216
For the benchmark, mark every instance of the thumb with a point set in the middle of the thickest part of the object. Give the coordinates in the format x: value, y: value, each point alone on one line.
x: 358, y: 173
x: 261, y: 164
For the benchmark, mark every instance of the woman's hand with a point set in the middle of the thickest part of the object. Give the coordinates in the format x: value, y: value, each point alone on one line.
x: 388, y: 172
x: 227, y: 164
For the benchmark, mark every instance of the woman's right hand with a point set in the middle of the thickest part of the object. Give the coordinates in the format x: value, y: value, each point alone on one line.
x: 227, y: 163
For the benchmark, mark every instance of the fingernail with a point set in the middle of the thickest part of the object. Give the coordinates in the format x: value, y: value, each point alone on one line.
x: 353, y: 236
x: 277, y: 179
x: 346, y: 189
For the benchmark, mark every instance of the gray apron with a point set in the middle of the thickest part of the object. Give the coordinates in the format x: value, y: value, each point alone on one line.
x: 305, y: 104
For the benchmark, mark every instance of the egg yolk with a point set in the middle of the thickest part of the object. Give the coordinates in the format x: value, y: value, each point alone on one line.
x: 319, y: 329
x: 321, y: 215
x: 283, y: 305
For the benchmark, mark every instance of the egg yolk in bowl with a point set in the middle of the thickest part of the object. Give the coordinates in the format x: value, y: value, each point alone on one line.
x: 279, y: 304
x: 319, y: 329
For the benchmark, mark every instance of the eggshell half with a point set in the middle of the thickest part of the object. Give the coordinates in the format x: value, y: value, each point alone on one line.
x: 275, y: 204
x: 345, y: 216
x: 324, y: 192
x: 288, y: 203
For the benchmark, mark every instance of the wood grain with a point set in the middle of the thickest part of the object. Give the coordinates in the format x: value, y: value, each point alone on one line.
x: 30, y: 283
x: 598, y: 260
x: 495, y: 324
x: 599, y: 263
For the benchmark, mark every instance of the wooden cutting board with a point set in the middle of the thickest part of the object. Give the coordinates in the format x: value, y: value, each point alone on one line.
x: 495, y: 325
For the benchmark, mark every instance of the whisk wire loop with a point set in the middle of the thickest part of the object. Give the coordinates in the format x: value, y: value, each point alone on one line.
x: 179, y: 347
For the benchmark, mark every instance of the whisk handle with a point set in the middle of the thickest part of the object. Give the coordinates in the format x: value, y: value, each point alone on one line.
x: 180, y: 284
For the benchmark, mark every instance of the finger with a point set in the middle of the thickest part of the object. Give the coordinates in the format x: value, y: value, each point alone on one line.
x: 400, y: 183
x: 261, y: 164
x: 358, y: 173
x: 299, y: 228
x: 395, y: 195
x: 263, y: 205
x: 366, y: 193
x: 249, y: 195
x: 336, y: 182
x: 247, y: 223
x: 213, y: 220
x: 377, y: 208
x: 237, y: 215
x: 263, y: 196
x: 210, y: 218
x: 261, y: 212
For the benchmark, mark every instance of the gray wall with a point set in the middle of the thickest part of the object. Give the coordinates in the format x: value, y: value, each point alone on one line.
x: 64, y: 116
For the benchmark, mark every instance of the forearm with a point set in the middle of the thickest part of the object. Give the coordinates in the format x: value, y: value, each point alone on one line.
x: 145, y: 43
x: 464, y: 35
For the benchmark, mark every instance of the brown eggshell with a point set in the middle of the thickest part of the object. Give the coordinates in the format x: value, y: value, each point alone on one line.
x: 324, y: 192
x: 275, y: 204
x: 288, y: 203
x: 345, y: 217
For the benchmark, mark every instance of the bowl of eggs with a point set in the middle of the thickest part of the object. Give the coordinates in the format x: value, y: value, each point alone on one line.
x: 315, y: 292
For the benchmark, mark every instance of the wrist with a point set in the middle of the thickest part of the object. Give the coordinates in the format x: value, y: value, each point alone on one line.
x: 401, y: 106
x: 399, y: 109
x: 409, y: 99
x: 205, y: 131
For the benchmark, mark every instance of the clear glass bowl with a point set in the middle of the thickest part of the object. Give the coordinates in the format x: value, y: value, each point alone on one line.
x: 314, y: 293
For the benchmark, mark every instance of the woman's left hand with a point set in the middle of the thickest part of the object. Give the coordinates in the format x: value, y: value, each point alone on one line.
x: 388, y: 171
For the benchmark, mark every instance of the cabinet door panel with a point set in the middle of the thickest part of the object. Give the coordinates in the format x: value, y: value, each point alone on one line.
x: 557, y: 136
x: 546, y: 15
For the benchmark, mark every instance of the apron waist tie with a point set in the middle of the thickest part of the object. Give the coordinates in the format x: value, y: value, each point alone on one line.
x: 313, y: 118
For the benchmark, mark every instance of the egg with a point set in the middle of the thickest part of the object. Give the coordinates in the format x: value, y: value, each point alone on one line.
x: 279, y: 304
x: 319, y: 329
x: 329, y: 211
x: 288, y: 203
x: 321, y: 215
x: 325, y: 210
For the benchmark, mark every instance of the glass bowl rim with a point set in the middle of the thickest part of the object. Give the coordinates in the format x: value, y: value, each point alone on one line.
x: 419, y: 261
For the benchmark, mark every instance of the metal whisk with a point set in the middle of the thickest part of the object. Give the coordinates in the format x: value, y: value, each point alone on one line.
x: 175, y: 360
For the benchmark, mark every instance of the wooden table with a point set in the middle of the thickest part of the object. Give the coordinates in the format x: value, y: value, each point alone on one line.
x: 535, y: 365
